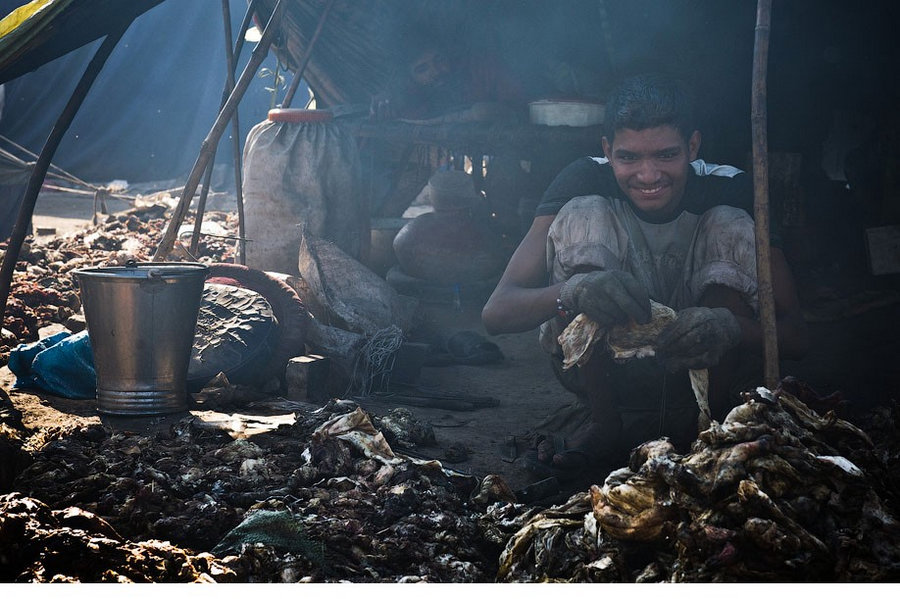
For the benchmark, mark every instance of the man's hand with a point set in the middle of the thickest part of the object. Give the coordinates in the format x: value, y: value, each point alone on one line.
x: 698, y: 338
x: 381, y: 109
x: 608, y: 297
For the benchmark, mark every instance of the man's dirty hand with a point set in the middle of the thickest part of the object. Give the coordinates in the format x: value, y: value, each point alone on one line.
x: 608, y: 297
x: 698, y: 338
x: 381, y: 109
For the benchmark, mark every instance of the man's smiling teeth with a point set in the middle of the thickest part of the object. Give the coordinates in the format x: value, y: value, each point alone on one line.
x: 650, y: 190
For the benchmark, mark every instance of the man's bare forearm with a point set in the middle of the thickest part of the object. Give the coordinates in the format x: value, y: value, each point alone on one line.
x: 517, y: 309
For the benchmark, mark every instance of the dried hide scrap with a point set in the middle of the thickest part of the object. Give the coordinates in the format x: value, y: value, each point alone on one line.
x: 771, y: 494
x: 346, y: 294
x: 629, y: 341
x: 626, y: 341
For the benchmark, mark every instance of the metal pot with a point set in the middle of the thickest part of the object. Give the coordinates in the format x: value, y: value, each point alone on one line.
x: 571, y: 113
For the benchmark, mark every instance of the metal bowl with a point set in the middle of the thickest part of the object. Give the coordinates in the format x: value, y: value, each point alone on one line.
x: 569, y: 113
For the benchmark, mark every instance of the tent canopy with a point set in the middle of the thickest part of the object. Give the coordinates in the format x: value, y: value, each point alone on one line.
x: 44, y: 30
x: 826, y: 55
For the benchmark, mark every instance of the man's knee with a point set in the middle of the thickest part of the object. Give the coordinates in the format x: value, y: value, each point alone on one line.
x: 584, y: 235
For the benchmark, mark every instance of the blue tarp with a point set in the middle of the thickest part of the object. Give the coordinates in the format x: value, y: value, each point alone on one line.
x: 152, y: 104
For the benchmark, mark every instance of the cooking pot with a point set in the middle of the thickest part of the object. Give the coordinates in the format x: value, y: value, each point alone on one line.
x: 572, y: 113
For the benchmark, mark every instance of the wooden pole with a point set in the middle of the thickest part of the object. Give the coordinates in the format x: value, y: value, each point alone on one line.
x: 39, y: 171
x: 209, y: 144
x: 298, y: 74
x: 201, y: 204
x: 235, y: 139
x: 235, y: 134
x: 761, y: 193
x: 245, y: 25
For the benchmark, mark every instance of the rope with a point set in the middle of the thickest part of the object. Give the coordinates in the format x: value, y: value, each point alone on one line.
x: 373, y: 364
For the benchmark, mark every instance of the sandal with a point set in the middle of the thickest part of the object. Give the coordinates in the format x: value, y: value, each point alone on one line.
x: 466, y: 347
x: 566, y: 463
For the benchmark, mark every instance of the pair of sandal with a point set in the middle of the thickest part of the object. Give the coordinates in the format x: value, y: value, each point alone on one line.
x: 552, y: 456
x: 466, y: 347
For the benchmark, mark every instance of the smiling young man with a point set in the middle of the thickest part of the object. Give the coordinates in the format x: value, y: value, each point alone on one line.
x: 648, y: 220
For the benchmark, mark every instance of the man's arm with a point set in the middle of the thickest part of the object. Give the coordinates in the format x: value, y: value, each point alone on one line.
x: 793, y: 336
x: 522, y: 299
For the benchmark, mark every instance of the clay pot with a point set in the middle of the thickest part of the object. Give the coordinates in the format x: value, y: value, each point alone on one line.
x: 449, y: 247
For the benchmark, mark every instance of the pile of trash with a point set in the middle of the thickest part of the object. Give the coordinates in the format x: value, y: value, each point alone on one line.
x: 776, y: 492
x: 324, y: 498
x: 251, y: 488
x: 44, y: 292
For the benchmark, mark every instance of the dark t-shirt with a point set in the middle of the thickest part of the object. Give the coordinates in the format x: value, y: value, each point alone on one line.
x: 586, y: 176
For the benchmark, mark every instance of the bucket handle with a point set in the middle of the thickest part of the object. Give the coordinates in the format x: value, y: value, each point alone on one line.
x: 152, y: 273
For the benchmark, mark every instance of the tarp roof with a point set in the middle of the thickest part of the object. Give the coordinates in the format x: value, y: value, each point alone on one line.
x: 825, y: 54
x: 44, y: 30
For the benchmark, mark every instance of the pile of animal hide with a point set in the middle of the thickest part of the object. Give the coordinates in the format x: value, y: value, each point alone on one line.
x: 322, y: 498
x: 775, y: 492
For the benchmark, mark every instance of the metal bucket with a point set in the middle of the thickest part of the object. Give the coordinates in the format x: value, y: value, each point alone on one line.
x: 141, y: 319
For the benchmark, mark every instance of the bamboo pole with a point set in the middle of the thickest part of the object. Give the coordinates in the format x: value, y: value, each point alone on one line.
x: 761, y: 193
x: 235, y: 133
x: 39, y: 171
x: 245, y: 25
x: 201, y: 204
x: 209, y: 144
x: 298, y: 74
x: 235, y: 138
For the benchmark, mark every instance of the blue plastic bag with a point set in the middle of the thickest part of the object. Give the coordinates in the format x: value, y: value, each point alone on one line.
x: 61, y: 364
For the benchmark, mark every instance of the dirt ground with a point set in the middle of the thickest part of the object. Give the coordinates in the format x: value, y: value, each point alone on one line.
x: 487, y: 439
x: 855, y: 349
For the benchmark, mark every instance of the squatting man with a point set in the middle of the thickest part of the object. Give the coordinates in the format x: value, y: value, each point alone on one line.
x: 647, y: 221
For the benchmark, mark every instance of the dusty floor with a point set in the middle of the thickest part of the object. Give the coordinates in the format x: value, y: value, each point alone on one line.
x: 855, y: 349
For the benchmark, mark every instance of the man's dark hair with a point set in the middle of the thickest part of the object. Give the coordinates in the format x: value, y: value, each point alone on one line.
x: 647, y: 101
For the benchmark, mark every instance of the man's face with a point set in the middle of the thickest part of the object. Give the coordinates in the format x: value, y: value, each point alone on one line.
x: 651, y: 167
x: 430, y: 69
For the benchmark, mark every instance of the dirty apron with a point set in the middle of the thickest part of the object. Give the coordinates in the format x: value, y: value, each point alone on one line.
x: 675, y: 262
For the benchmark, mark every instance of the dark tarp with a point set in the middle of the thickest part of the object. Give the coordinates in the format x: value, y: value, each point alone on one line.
x: 827, y: 56
x: 152, y: 104
x: 59, y: 28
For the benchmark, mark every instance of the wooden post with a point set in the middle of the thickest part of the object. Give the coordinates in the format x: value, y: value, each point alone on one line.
x: 235, y: 133
x: 245, y: 25
x: 235, y: 137
x: 201, y: 205
x: 761, y: 193
x: 298, y: 74
x: 209, y: 144
x: 39, y: 171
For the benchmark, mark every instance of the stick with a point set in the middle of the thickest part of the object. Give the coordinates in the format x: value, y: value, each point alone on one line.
x: 201, y: 204
x: 229, y: 85
x: 235, y: 136
x: 245, y: 25
x: 209, y: 144
x: 298, y: 74
x: 761, y: 193
x: 26, y: 211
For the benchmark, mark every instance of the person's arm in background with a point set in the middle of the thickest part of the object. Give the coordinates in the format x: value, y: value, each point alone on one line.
x: 793, y: 333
